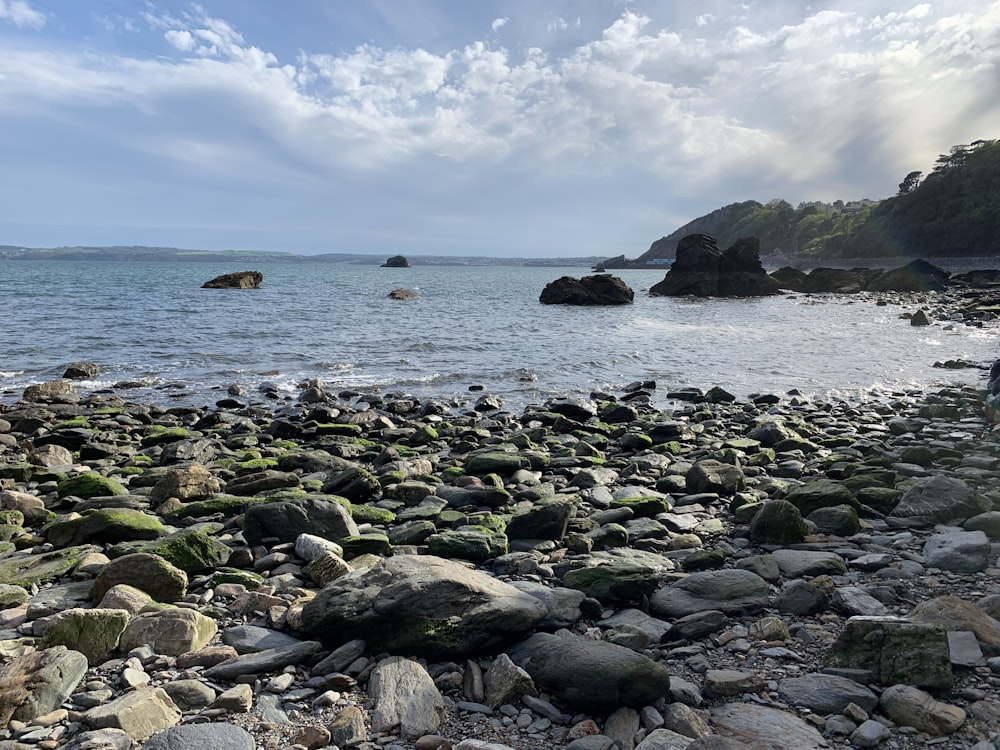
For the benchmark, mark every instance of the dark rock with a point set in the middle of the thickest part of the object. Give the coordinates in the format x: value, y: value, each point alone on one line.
x: 403, y: 294
x: 938, y: 499
x: 778, y: 522
x: 238, y: 280
x: 600, y: 289
x: 284, y: 521
x: 915, y: 276
x: 727, y: 590
x: 396, y: 261
x: 702, y: 270
x: 80, y: 371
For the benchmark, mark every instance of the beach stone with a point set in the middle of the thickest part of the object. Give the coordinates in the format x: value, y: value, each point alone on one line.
x: 103, y: 525
x: 186, y: 483
x: 822, y: 493
x: 189, y: 695
x: 12, y: 596
x: 269, y: 660
x: 909, y: 706
x: 988, y: 523
x: 938, y: 499
x: 958, y: 551
x: 618, y: 583
x: 100, y: 739
x: 710, y: 475
x: 869, y: 734
x: 141, y: 713
x: 825, y: 694
x: 170, y: 632
x: 592, y: 742
x: 621, y: 727
x: 853, y: 601
x: 563, y: 604
x: 778, y: 522
x: 146, y: 572
x: 716, y: 742
x: 953, y: 613
x: 249, y: 639
x: 31, y: 507
x: 340, y: 658
x: 506, y: 682
x: 90, y: 484
x: 729, y: 591
x: 95, y: 633
x: 247, y: 485
x: 327, y: 567
x: 762, y: 727
x: 548, y: 518
x: 799, y: 597
x: 348, y: 728
x: 38, y: 682
x: 213, y: 736
x: 721, y: 683
x: 590, y: 675
x: 494, y: 462
x: 125, y: 597
x: 285, y: 521
x: 964, y: 649
x: 309, y: 547
x: 423, y: 605
x: 191, y: 550
x: 404, y: 698
x: 697, y: 625
x: 477, y: 545
x: 796, y: 563
x: 664, y: 739
x: 894, y: 650
x: 838, y: 520
x: 237, y: 699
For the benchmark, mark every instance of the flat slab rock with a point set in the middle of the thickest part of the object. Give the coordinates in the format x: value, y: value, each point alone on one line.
x: 206, y: 736
x: 764, y: 728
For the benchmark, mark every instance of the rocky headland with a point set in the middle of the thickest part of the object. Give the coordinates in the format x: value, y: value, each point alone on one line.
x: 362, y: 570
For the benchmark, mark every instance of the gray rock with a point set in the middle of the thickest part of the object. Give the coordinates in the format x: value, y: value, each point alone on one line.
x: 563, y: 604
x: 404, y: 698
x: 170, y: 632
x: 285, y: 521
x: 869, y: 734
x: 100, y: 739
x: 506, y: 682
x: 141, y: 713
x: 795, y: 563
x: 697, y: 625
x: 651, y: 626
x: 778, y: 522
x: 38, y: 682
x: 664, y: 739
x: 682, y: 719
x: 912, y: 707
x: 825, y: 694
x: 714, y: 476
x: 720, y: 683
x: 238, y: 699
x: 201, y: 737
x: 422, y: 605
x: 801, y: 597
x: 592, y: 742
x: 621, y: 726
x: 958, y: 551
x: 853, y: 601
x: 249, y: 639
x: 964, y: 649
x: 953, y: 613
x: 340, y: 658
x: 763, y: 728
x: 591, y: 675
x: 189, y: 695
x: 546, y: 519
x: 894, y: 651
x: 348, y: 728
x: 727, y: 590
x: 262, y: 661
x: 146, y: 572
x: 938, y: 499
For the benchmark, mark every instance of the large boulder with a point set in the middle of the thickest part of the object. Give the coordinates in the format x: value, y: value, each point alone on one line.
x: 600, y: 289
x: 915, y: 276
x: 703, y: 270
x: 396, y: 261
x: 38, y: 682
x: 938, y: 499
x: 728, y: 590
x: 593, y: 676
x: 238, y: 280
x: 284, y: 521
x: 422, y: 605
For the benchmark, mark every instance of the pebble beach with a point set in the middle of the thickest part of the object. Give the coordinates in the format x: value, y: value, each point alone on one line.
x: 347, y: 569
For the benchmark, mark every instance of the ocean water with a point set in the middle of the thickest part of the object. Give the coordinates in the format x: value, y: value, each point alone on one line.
x: 471, y: 326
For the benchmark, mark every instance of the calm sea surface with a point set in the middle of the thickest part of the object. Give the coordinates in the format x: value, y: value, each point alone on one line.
x: 152, y: 322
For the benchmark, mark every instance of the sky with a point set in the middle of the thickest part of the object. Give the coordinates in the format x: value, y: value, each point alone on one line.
x: 524, y: 128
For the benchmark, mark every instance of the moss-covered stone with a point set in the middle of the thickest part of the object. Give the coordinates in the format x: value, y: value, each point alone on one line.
x: 95, y: 633
x: 411, y: 532
x: 778, y: 522
x: 880, y: 499
x: 372, y: 514
x: 494, y: 462
x: 145, y: 571
x: 703, y: 559
x: 614, y: 585
x: 19, y: 472
x: 25, y: 568
x: 90, y: 484
x: 12, y: 596
x: 193, y: 551
x: 11, y: 517
x: 364, y: 544
x: 227, y: 505
x: 643, y: 506
x: 103, y: 525
x: 161, y: 435
x: 475, y: 545
x: 822, y: 493
x: 234, y: 575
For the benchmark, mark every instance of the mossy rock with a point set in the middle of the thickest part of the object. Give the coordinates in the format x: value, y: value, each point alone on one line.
x: 26, y: 568
x: 90, y: 484
x: 778, y: 522
x: 163, y: 435
x: 193, y: 551
x: 93, y: 632
x: 9, y: 532
x: 616, y: 585
x: 256, y: 464
x: 391, y: 477
x: 642, y: 506
x: 364, y: 544
x: 470, y: 544
x: 840, y: 520
x: 863, y: 479
x: 12, y: 517
x: 75, y: 423
x: 19, y: 472
x: 411, y: 532
x: 703, y: 559
x: 424, y: 434
x: 372, y: 514
x: 12, y: 596
x: 488, y: 521
x: 334, y: 428
x: 103, y: 525
x: 251, y: 580
x: 822, y: 493
x: 880, y: 499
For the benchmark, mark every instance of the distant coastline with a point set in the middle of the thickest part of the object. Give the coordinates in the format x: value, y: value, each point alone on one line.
x: 144, y: 254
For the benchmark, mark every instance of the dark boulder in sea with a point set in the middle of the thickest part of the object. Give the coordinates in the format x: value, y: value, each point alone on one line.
x: 599, y: 289
x: 238, y: 280
x: 397, y: 261
x: 80, y: 370
x: 701, y: 269
x: 915, y: 276
x: 403, y: 294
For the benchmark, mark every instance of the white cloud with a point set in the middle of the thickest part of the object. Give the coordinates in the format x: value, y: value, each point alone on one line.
x: 499, y: 23
x: 20, y: 13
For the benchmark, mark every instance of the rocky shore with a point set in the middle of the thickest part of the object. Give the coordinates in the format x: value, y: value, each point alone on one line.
x: 375, y: 571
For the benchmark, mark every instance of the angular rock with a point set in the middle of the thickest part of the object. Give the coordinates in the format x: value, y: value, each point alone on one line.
x: 763, y: 728
x: 506, y: 682
x: 95, y: 633
x: 170, y: 632
x: 38, y: 682
x: 958, y: 551
x: 953, y: 613
x: 285, y: 521
x: 141, y: 713
x: 826, y: 694
x: 421, y: 605
x: 701, y: 269
x: 214, y: 736
x: 236, y: 280
x: 404, y: 698
x: 710, y: 475
x: 599, y: 289
x: 795, y: 563
x: 186, y: 483
x: 268, y: 660
x: 778, y: 522
x: 938, y: 499
x: 146, y: 572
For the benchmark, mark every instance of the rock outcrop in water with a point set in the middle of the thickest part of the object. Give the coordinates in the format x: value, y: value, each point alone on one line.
x: 701, y: 269
x: 915, y: 276
x: 396, y: 261
x: 238, y: 280
x: 599, y: 289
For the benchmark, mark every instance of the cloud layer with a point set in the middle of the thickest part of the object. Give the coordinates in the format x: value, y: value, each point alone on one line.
x: 498, y: 138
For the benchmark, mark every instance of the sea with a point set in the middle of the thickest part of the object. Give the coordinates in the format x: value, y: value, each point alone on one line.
x: 158, y: 337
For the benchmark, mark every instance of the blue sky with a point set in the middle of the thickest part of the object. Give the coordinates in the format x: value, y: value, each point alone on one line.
x: 452, y: 127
